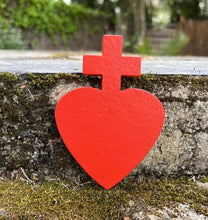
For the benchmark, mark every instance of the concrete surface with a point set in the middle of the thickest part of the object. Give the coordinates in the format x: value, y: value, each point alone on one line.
x: 42, y: 62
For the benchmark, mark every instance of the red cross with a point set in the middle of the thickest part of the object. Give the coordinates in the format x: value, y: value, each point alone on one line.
x: 111, y: 65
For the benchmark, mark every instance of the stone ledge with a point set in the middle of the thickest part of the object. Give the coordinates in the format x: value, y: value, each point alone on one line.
x: 73, y: 64
x: 29, y: 137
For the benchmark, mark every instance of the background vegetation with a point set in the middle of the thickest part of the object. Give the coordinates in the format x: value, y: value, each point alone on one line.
x: 42, y: 16
x: 129, y: 18
x: 189, y: 9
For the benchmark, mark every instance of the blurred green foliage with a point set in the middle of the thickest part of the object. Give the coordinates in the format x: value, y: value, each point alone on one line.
x: 145, y: 48
x: 175, y: 45
x: 150, y: 11
x: 189, y: 9
x: 47, y: 16
x: 3, y: 20
x: 103, y: 6
x: 10, y: 38
x: 44, y: 16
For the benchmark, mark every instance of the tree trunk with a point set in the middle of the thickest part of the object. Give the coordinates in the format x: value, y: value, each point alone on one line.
x: 139, y: 20
x: 124, y: 5
x: 131, y: 22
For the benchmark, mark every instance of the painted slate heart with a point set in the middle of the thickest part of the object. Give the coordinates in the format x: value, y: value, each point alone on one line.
x: 109, y: 131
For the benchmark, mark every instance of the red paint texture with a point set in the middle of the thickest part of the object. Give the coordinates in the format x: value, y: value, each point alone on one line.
x: 109, y: 131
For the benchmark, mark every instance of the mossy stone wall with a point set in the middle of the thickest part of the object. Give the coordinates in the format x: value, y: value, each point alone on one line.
x: 30, y: 140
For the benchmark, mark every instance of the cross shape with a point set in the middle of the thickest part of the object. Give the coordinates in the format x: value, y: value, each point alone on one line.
x: 111, y: 65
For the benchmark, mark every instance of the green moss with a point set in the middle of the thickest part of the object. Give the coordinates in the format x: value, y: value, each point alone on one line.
x: 148, y: 82
x: 151, y: 81
x: 38, y: 81
x: 47, y: 81
x: 51, y: 200
x: 204, y: 179
x: 164, y: 192
x: 8, y: 77
x: 25, y: 87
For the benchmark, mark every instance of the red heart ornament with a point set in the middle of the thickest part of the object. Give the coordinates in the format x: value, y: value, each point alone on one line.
x: 109, y: 131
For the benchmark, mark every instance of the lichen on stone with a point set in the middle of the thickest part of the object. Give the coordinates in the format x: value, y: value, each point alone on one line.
x: 29, y: 137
